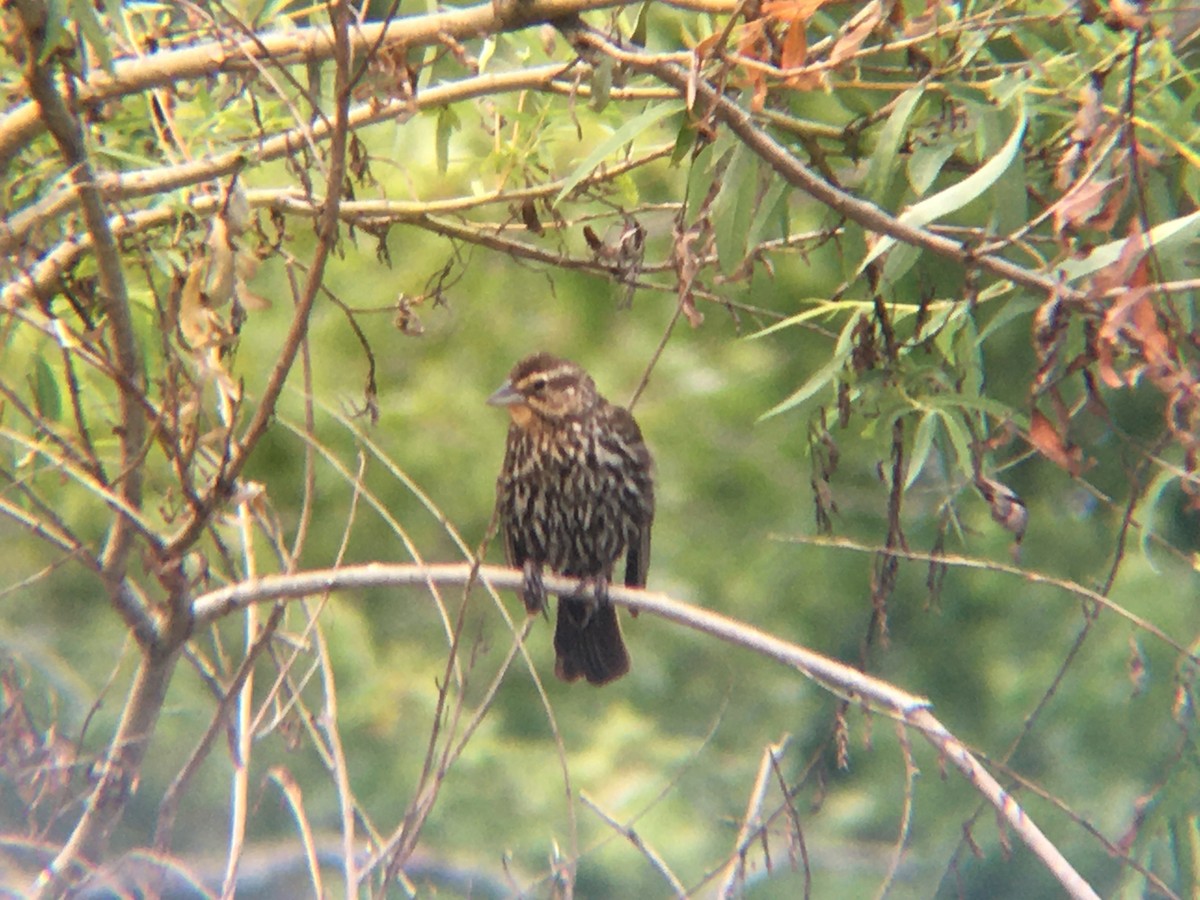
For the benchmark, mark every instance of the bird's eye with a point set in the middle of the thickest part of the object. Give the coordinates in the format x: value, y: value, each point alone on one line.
x: 539, y: 385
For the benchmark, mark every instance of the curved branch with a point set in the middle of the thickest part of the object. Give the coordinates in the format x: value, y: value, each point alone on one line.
x: 798, y: 175
x: 118, y: 186
x: 846, y: 682
x: 835, y: 677
x: 41, y: 278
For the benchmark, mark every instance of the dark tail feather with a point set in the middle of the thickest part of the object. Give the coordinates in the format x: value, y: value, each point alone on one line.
x: 587, y: 642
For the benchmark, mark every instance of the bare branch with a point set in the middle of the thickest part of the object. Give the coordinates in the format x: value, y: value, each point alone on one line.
x: 118, y: 775
x: 303, y: 45
x: 68, y: 134
x: 843, y: 681
x: 798, y: 175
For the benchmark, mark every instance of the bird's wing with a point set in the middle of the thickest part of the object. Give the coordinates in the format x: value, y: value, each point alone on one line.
x: 637, y: 555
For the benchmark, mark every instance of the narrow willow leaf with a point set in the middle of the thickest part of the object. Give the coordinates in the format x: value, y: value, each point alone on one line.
x: 822, y: 308
x: 602, y: 80
x: 84, y: 14
x: 823, y: 376
x: 955, y: 403
x: 685, y: 140
x: 1147, y: 513
x: 447, y: 123
x: 922, y: 444
x: 733, y: 209
x: 960, y: 441
x: 925, y: 164
x: 1163, y: 236
x: 957, y: 195
x: 968, y: 358
x: 638, y: 36
x: 45, y: 391
x: 619, y: 138
x: 883, y: 161
x: 703, y: 171
x: 771, y: 213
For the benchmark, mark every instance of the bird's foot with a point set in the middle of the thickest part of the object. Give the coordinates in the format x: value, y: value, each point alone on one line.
x: 534, y: 592
x: 593, y: 591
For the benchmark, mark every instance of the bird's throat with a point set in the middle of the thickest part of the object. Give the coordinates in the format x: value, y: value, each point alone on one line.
x: 521, y: 415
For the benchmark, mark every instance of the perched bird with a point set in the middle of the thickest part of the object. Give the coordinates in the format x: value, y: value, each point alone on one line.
x: 574, y: 494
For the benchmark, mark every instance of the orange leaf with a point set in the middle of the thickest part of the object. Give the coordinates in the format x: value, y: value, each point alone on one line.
x: 1052, y: 445
x: 795, y: 46
x: 851, y: 42
x: 791, y: 10
x: 760, y: 91
x: 1156, y: 347
x: 1128, y: 269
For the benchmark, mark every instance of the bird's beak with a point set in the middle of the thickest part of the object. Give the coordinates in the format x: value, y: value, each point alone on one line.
x: 506, y: 395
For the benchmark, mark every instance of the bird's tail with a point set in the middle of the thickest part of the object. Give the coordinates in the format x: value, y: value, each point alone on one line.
x: 588, y: 642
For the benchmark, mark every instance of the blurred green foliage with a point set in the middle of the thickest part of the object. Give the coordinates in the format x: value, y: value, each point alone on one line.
x: 673, y: 749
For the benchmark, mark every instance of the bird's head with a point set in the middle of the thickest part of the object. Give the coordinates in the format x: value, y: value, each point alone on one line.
x: 544, y: 387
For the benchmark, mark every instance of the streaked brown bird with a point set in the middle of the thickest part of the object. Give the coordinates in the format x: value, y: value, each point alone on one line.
x: 575, y: 493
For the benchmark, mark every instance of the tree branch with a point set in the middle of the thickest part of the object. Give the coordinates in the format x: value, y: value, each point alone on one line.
x: 118, y: 776
x: 798, y: 175
x: 285, y: 48
x: 68, y: 134
x: 835, y: 677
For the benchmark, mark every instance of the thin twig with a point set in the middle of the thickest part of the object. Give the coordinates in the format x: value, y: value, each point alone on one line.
x: 630, y: 834
x: 798, y: 175
x: 734, y: 882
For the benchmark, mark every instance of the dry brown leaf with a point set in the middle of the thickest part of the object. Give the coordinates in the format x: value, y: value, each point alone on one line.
x: 219, y: 268
x: 860, y: 29
x: 795, y: 46
x: 1087, y: 117
x: 1128, y: 14
x: 195, y: 318
x: 1047, y: 440
x: 1080, y: 204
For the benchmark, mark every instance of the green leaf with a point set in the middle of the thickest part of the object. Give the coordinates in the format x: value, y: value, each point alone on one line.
x: 922, y: 444
x: 902, y: 258
x: 1146, y: 512
x: 958, y: 195
x: 883, y: 161
x: 57, y: 36
x: 638, y: 36
x: 602, y: 80
x: 46, y: 394
x: 823, y: 376
x: 84, y: 13
x: 1184, y: 831
x: 622, y: 136
x: 733, y: 208
x: 486, y: 51
x: 960, y: 441
x: 703, y: 172
x: 968, y: 358
x: 1010, y: 310
x: 821, y: 307
x: 447, y: 124
x: 956, y: 403
x: 1163, y: 236
x: 685, y: 140
x: 925, y: 164
x: 771, y: 215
